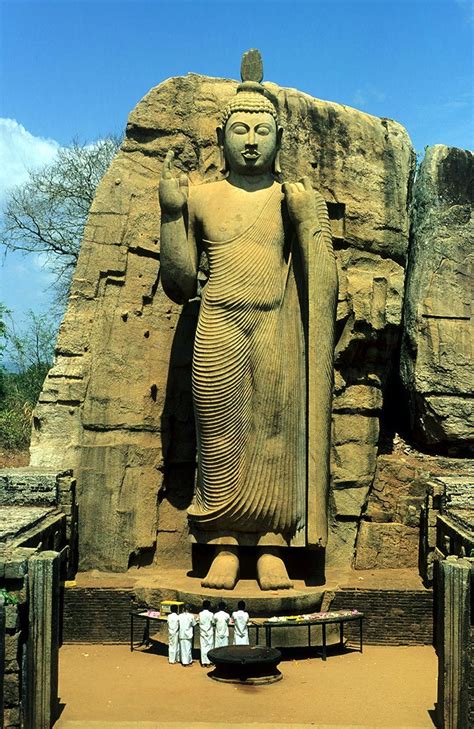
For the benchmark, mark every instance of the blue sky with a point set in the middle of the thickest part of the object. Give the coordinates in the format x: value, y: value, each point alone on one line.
x: 74, y: 68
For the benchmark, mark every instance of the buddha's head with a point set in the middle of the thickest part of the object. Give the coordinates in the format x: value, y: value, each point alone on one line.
x: 249, y: 138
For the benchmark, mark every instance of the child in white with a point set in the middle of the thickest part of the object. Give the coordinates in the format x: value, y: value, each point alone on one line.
x: 206, y: 632
x: 173, y: 635
x: 187, y: 621
x: 221, y: 621
x: 240, y: 618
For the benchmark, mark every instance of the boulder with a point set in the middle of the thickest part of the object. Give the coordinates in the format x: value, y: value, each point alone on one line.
x: 437, y: 366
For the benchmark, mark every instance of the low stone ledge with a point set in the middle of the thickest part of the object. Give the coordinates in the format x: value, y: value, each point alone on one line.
x: 28, y: 486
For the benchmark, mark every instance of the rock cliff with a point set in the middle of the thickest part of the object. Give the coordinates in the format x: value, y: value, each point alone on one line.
x: 116, y: 406
x: 437, y: 365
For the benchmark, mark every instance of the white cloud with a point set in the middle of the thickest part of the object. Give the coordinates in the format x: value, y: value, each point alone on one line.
x: 368, y: 94
x: 463, y: 101
x: 25, y: 281
x: 20, y: 151
x: 467, y: 8
x: 24, y: 284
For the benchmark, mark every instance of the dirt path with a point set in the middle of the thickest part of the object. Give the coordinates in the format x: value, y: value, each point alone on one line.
x: 383, y: 687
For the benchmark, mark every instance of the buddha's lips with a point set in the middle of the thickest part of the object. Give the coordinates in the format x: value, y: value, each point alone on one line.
x: 250, y: 155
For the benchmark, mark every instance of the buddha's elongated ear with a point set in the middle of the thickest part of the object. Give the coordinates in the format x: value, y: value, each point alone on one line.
x: 220, y: 144
x: 276, y: 161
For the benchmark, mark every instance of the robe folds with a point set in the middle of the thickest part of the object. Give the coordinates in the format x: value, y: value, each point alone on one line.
x: 173, y: 638
x: 206, y: 635
x: 262, y: 384
x: 248, y: 389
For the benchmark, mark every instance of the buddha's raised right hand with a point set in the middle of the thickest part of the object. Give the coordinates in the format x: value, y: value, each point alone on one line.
x: 301, y: 201
x: 173, y: 193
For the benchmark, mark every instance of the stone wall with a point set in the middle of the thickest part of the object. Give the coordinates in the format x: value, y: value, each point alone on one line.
x: 38, y: 508
x: 29, y: 639
x: 14, y: 642
x: 38, y: 519
x: 470, y: 716
x: 394, y: 617
x: 99, y: 615
x: 28, y: 487
x: 447, y: 521
x: 453, y: 581
x: 116, y: 406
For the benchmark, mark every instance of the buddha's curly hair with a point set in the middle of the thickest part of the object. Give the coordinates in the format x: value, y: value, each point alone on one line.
x: 253, y: 97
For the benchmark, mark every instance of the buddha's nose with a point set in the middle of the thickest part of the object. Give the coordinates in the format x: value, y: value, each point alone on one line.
x: 251, y: 137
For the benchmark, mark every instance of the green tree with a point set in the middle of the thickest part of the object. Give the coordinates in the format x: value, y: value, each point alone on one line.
x: 29, y: 352
x: 46, y: 215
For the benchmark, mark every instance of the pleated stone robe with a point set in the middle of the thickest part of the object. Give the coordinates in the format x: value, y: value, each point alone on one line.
x: 251, y: 387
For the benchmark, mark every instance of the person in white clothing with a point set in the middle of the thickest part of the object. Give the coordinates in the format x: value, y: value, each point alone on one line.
x: 173, y: 635
x: 206, y: 632
x: 240, y: 619
x: 221, y: 621
x: 187, y: 621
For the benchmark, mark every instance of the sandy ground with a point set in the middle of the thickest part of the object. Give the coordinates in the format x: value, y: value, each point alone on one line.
x: 108, y: 686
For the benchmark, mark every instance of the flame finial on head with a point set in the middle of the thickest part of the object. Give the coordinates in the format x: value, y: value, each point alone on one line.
x: 251, y: 95
x: 251, y: 67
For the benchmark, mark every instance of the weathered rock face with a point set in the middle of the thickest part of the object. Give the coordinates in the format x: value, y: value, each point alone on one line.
x: 437, y: 356
x: 117, y: 404
x: 389, y: 533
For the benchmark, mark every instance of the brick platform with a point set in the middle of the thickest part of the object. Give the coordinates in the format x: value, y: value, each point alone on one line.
x: 401, y: 616
x: 393, y: 617
x: 97, y: 615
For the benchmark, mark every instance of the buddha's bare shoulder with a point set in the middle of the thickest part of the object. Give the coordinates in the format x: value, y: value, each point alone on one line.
x: 211, y: 198
x: 202, y: 193
x: 218, y: 187
x: 203, y: 189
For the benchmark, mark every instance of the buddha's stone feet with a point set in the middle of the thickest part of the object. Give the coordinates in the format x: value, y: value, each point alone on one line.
x: 224, y: 570
x: 271, y: 571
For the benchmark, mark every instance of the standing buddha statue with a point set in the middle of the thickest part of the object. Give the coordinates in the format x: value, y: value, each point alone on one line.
x: 263, y: 354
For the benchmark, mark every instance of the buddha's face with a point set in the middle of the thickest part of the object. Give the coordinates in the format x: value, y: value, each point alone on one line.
x: 250, y: 142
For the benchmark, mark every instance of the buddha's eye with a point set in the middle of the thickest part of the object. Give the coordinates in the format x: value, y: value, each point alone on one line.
x: 239, y: 129
x: 263, y: 131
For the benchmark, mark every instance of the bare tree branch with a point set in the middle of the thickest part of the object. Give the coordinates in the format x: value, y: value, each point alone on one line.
x: 47, y: 214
